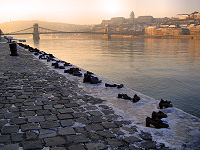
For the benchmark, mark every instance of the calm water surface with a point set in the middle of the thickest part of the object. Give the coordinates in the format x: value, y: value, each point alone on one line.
x: 159, y: 68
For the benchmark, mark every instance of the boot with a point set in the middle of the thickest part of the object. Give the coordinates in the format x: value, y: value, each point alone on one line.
x: 156, y: 123
x: 158, y: 115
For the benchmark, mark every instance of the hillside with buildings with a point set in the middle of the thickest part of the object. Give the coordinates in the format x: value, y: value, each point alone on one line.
x: 181, y: 24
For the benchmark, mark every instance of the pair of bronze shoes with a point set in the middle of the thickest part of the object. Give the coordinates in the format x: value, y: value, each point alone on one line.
x: 90, y: 79
x: 74, y: 71
x: 165, y: 104
x: 156, y: 120
x: 114, y: 85
x: 125, y: 96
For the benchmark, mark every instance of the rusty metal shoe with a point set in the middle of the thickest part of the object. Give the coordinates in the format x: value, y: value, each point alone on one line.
x: 158, y: 115
x: 155, y: 123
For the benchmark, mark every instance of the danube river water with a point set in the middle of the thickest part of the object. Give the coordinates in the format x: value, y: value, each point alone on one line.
x: 160, y: 68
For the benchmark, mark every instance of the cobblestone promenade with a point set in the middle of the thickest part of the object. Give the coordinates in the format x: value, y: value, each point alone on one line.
x: 41, y: 109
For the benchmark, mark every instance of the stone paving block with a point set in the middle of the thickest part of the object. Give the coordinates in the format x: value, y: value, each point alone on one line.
x: 94, y: 127
x: 148, y: 145
x: 31, y: 135
x: 51, y: 118
x: 104, y: 106
x: 95, y: 113
x: 45, y: 133
x: 10, y: 147
x: 3, y: 122
x: 43, y: 112
x: 94, y: 136
x: 114, y: 142
x: 131, y: 139
x: 27, y: 113
x: 117, y: 131
x: 146, y: 136
x: 65, y: 116
x: 63, y: 101
x: 71, y: 105
x: 122, y: 122
x: 36, y: 119
x: 131, y: 131
x: 49, y: 124
x: 96, y: 119
x: 11, y: 115
x: 5, y: 139
x: 96, y: 146
x: 78, y: 115
x: 24, y: 108
x: 58, y: 106
x: 17, y: 137
x: 55, y: 141
x: 1, y: 116
x: 76, y: 147
x: 106, y: 134
x: 79, y: 138
x: 109, y: 125
x: 9, y: 129
x: 36, y: 144
x: 106, y: 112
x: 79, y: 129
x: 91, y: 108
x: 13, y: 109
x: 111, y: 117
x: 30, y: 126
x: 83, y: 120
x: 65, y: 110
x: 68, y: 122
x: 66, y: 131
x: 48, y: 107
x: 18, y: 121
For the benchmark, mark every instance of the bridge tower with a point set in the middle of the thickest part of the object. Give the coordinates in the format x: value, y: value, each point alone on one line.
x: 36, y: 35
x: 107, y: 34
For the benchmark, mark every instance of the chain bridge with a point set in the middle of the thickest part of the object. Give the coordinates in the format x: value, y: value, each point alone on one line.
x: 36, y: 31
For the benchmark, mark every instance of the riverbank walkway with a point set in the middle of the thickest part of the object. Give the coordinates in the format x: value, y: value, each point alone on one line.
x: 42, y: 109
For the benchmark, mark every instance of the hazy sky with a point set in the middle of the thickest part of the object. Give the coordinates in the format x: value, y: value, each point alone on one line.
x: 91, y: 11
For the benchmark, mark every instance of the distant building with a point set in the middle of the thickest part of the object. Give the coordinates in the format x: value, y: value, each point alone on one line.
x: 114, y: 21
x: 145, y: 19
x: 194, y: 15
x: 153, y: 30
x: 195, y: 30
x: 132, y: 17
x: 182, y: 16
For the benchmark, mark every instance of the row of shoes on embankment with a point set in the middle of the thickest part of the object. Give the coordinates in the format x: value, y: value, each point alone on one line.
x: 157, y: 116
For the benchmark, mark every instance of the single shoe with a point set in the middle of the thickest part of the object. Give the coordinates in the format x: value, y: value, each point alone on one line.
x: 156, y: 123
x: 120, y: 86
x: 158, y: 115
x: 136, y: 98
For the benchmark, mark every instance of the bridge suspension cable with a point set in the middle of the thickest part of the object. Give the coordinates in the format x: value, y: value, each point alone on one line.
x: 21, y: 30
